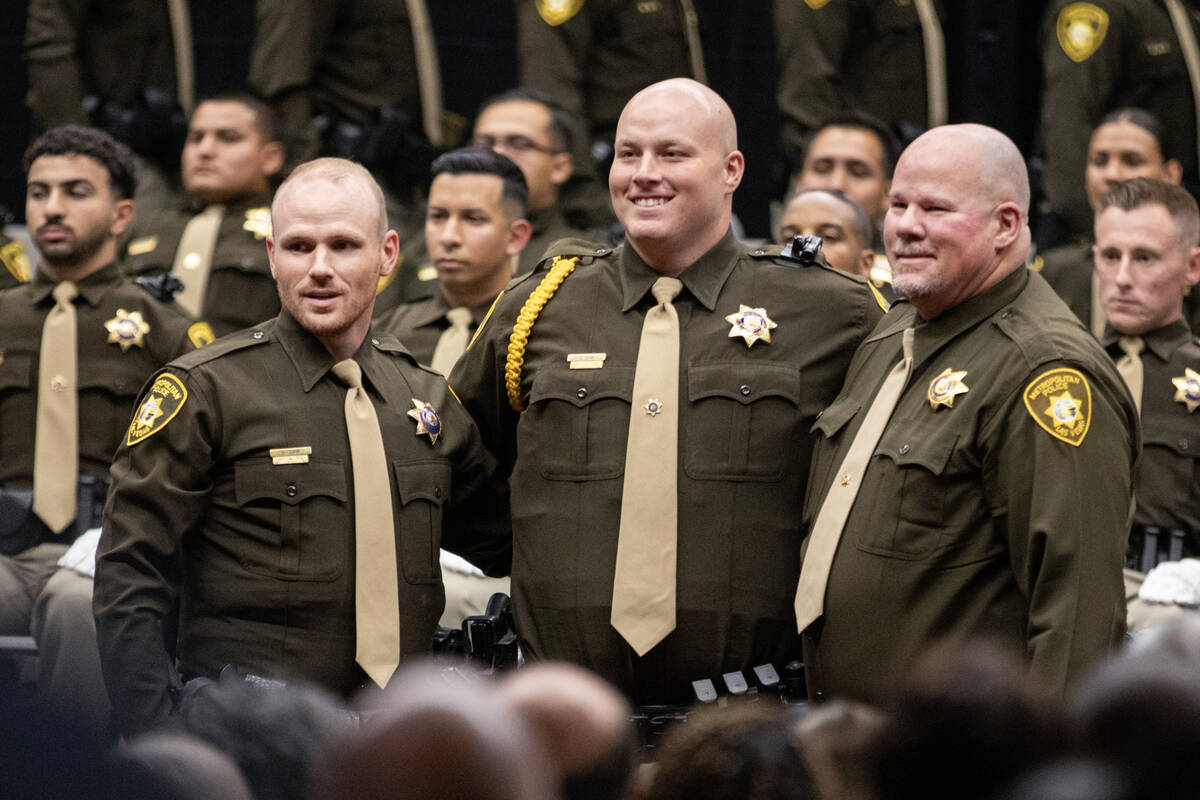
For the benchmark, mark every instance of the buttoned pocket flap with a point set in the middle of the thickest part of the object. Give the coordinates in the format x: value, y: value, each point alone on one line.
x: 744, y: 382
x: 423, y: 480
x: 290, y: 484
x: 834, y: 418
x: 16, y: 370
x: 1183, y: 440
x: 581, y: 387
x: 909, y: 447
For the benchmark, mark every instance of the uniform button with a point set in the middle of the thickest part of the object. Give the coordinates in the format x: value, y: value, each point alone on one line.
x: 758, y: 252
x: 437, y: 491
x: 745, y: 390
x: 291, y: 490
x: 1183, y: 444
x: 375, y: 342
x: 601, y: 251
x: 820, y: 695
x: 1005, y: 315
x: 582, y: 393
x: 904, y: 449
x: 258, y: 334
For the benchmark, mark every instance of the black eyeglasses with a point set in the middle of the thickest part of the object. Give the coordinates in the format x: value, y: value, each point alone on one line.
x: 513, y: 144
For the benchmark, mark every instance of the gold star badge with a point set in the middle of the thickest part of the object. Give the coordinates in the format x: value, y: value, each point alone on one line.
x: 944, y: 387
x: 127, y: 329
x: 751, y: 324
x: 1188, y: 386
x: 428, y: 421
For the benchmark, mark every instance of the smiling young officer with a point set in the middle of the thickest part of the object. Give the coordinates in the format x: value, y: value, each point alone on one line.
x: 661, y: 395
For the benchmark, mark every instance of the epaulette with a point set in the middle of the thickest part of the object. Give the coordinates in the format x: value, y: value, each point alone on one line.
x: 388, y: 343
x: 223, y: 346
x: 584, y: 250
x: 161, y: 287
x: 805, y: 251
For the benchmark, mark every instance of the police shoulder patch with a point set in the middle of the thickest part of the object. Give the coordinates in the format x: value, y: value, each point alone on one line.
x: 166, y: 396
x: 556, y: 12
x: 13, y: 256
x: 1060, y: 402
x: 1081, y: 28
x: 200, y: 334
x: 816, y: 4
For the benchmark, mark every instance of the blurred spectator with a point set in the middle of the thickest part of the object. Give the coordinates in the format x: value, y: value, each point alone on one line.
x: 181, y: 767
x: 1070, y: 780
x: 742, y: 752
x: 584, y: 724
x: 838, y: 739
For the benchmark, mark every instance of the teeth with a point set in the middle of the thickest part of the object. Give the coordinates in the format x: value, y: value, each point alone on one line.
x: 649, y: 202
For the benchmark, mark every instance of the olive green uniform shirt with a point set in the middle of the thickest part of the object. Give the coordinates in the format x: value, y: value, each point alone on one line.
x: 975, y: 519
x: 260, y: 553
x: 847, y: 54
x: 241, y: 291
x: 744, y: 444
x: 110, y: 373
x: 419, y: 325
x: 1068, y: 270
x: 1137, y: 62
x: 1167, y: 481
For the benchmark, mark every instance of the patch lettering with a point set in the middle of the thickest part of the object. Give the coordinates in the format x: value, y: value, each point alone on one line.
x: 1060, y: 402
x: 162, y: 403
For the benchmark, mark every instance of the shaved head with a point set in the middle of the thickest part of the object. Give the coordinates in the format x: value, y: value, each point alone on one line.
x: 997, y: 165
x: 713, y: 110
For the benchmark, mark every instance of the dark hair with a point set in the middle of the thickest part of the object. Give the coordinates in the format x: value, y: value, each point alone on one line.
x: 562, y: 125
x: 266, y: 121
x: 866, y: 231
x: 889, y: 143
x: 1144, y: 120
x: 1138, y: 192
x: 477, y: 161
x: 80, y: 140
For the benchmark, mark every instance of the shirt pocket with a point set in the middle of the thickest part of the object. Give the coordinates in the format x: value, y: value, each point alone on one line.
x: 298, y: 518
x: 908, y: 507
x: 16, y: 371
x: 1169, y: 472
x: 423, y: 488
x: 577, y: 423
x: 108, y: 389
x: 829, y: 426
x: 742, y: 419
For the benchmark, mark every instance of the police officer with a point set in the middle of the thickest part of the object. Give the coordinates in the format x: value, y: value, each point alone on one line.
x: 297, y: 547
x: 214, y: 243
x: 1128, y: 143
x: 78, y: 342
x: 611, y: 438
x: 839, y: 222
x: 972, y: 478
x: 1146, y: 257
x: 1101, y: 55
x: 590, y: 57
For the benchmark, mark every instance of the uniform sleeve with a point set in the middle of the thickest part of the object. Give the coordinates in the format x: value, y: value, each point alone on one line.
x: 1064, y: 510
x: 1075, y: 95
x: 811, y: 45
x: 56, y: 85
x: 158, y: 495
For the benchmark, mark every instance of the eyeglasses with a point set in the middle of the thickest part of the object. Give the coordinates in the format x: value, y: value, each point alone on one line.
x: 513, y: 144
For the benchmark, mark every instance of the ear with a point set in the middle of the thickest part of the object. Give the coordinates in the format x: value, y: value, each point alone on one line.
x: 1009, y: 225
x: 735, y: 166
x: 1193, y: 267
x: 122, y: 216
x: 391, y: 252
x: 272, y: 158
x: 866, y: 260
x: 519, y: 232
x: 562, y: 166
x: 1172, y: 171
x: 271, y: 255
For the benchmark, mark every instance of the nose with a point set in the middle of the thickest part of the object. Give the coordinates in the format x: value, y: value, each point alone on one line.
x: 1123, y: 274
x: 53, y: 205
x: 646, y: 170
x: 903, y: 222
x: 838, y: 178
x: 321, y: 266
x: 1115, y: 171
x: 450, y: 232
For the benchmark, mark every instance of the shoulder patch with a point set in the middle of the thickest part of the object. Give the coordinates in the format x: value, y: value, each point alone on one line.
x: 1060, y: 402
x: 200, y: 334
x: 142, y: 245
x: 16, y: 261
x: 556, y: 12
x: 816, y: 4
x: 162, y: 403
x: 1081, y: 28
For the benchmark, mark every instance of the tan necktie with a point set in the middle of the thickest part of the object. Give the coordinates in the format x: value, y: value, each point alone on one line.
x: 935, y: 63
x: 185, y: 62
x: 56, y: 438
x: 429, y: 77
x: 691, y: 28
x: 643, y: 606
x: 1130, y: 367
x: 831, y: 518
x: 193, y: 259
x: 453, y: 341
x: 376, y: 588
x: 1099, y: 318
x: 1191, y: 54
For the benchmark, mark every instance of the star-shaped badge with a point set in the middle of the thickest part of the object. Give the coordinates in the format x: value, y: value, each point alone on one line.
x: 1188, y: 386
x: 127, y: 329
x: 751, y: 324
x: 944, y: 387
x: 1064, y: 409
x: 428, y: 421
x: 653, y: 407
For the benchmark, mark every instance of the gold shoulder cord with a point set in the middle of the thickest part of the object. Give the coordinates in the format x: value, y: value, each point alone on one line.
x: 559, y: 270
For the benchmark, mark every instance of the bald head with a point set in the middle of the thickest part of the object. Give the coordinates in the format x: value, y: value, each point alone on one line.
x: 333, y: 170
x: 706, y: 107
x: 990, y: 158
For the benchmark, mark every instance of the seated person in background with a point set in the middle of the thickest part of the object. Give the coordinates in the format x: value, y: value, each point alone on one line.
x: 1146, y: 257
x: 529, y: 128
x: 215, y: 244
x: 475, y: 228
x: 1128, y: 143
x: 843, y: 227
x: 78, y: 342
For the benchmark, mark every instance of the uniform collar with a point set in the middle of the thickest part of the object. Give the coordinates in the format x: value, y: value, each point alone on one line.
x: 433, y: 309
x: 703, y: 279
x: 91, y: 288
x: 312, y: 361
x: 235, y: 206
x: 545, y: 219
x: 1162, y: 342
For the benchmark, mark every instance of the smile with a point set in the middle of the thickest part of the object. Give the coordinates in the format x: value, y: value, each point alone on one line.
x: 650, y: 202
